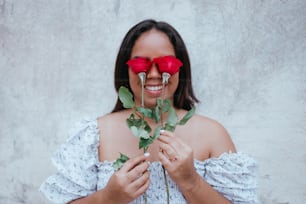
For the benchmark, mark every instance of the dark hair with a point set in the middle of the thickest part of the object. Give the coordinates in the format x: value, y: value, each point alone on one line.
x: 184, y: 96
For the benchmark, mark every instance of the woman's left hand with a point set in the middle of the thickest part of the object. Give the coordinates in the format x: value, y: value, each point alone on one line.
x: 177, y: 158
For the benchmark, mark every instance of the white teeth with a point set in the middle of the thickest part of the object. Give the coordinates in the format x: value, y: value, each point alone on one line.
x: 154, y: 88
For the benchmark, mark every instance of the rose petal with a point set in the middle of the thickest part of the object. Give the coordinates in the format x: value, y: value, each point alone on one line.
x: 169, y: 64
x: 138, y: 65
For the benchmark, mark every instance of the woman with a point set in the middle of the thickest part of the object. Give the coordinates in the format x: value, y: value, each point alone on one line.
x: 200, y: 158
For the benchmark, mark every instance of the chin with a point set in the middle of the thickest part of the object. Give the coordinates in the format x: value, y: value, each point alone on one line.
x: 151, y: 103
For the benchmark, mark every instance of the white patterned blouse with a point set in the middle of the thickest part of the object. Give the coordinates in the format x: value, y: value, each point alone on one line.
x: 80, y: 173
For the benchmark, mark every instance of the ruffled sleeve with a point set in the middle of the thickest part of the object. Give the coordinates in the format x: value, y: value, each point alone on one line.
x: 76, y: 162
x: 234, y: 176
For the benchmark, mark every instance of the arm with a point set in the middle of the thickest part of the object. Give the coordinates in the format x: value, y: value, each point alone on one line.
x: 124, y: 186
x: 98, y: 197
x: 182, y: 171
x: 200, y: 191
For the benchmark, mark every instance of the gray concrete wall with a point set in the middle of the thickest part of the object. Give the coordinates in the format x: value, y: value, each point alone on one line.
x: 248, y: 63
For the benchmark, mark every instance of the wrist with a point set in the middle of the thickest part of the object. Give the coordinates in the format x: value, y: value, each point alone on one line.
x: 95, y: 198
x: 104, y: 196
x: 191, y: 184
x: 100, y: 196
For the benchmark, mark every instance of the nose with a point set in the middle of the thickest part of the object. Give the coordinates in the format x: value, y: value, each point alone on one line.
x: 153, y: 72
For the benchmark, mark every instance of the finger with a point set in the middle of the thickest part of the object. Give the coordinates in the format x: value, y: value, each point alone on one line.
x: 168, y: 150
x: 175, y: 142
x: 164, y: 139
x: 165, y: 132
x: 165, y: 136
x: 168, y: 137
x: 164, y: 160
x: 138, y: 171
x: 131, y: 163
x: 141, y: 180
x: 143, y: 188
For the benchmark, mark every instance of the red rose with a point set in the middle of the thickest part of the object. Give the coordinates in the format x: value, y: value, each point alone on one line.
x: 138, y: 65
x: 165, y: 64
x: 168, y: 64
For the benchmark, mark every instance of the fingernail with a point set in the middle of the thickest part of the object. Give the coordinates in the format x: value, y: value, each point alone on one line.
x: 162, y: 131
x: 146, y: 154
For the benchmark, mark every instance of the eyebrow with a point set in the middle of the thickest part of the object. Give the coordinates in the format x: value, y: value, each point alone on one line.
x: 137, y: 57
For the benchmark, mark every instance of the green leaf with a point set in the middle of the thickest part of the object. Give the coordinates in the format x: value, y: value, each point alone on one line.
x: 156, y: 114
x: 120, y: 161
x: 156, y: 133
x: 169, y: 127
x: 145, y: 111
x: 144, y: 143
x: 140, y: 132
x: 187, y: 116
x: 159, y: 102
x: 164, y: 105
x: 147, y: 126
x: 132, y: 121
x: 171, y: 120
x: 172, y: 117
x: 126, y: 97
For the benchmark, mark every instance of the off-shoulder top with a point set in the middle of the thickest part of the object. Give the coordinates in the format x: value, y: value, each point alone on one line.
x: 80, y: 173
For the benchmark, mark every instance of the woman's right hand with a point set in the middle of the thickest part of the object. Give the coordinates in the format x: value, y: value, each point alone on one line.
x: 128, y: 183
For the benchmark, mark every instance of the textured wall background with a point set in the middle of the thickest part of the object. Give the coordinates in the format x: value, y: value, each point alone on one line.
x: 249, y: 69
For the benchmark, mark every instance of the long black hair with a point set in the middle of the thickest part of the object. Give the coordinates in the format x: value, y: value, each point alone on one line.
x: 184, y: 97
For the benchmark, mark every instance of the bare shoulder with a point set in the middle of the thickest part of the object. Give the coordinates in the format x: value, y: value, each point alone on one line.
x: 112, y: 118
x: 111, y: 123
x: 213, y: 134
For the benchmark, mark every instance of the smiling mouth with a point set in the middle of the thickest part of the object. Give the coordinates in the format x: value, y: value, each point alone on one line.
x: 153, y: 88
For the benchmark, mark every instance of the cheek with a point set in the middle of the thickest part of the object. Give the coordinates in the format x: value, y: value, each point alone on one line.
x: 133, y: 79
x: 174, y: 80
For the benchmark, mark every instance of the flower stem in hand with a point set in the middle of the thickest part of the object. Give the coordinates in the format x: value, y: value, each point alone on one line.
x: 167, y: 186
x: 145, y: 197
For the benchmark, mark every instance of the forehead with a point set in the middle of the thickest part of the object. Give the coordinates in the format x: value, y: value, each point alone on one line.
x: 152, y: 44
